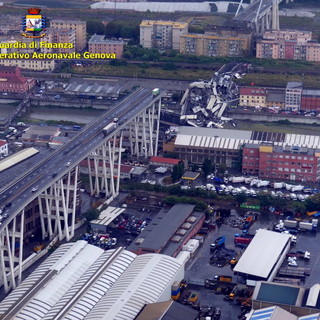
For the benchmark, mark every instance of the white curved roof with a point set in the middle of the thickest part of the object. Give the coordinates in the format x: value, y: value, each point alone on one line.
x: 80, y: 280
x: 165, y: 6
x: 143, y: 282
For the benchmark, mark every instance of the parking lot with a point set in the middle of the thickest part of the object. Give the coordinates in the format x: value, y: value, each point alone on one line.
x: 198, y: 267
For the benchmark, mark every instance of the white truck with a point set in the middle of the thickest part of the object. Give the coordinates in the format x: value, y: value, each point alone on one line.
x: 278, y: 185
x: 236, y: 179
x: 288, y: 186
x: 290, y: 223
x: 297, y: 188
x: 263, y: 183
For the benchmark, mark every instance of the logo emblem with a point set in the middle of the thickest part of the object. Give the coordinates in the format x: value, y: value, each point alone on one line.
x: 33, y: 23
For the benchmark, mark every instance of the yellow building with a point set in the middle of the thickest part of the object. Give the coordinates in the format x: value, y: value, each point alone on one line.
x: 59, y: 36
x: 30, y: 64
x: 162, y: 34
x: 213, y: 46
x: 80, y: 28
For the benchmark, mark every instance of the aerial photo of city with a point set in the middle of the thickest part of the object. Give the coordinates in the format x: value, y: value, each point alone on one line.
x: 159, y: 160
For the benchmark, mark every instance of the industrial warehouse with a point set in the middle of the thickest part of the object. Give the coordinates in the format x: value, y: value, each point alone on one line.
x: 264, y: 255
x: 81, y: 281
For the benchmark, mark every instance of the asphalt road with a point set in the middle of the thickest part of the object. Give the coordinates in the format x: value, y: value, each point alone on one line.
x: 19, y: 192
x: 250, y: 12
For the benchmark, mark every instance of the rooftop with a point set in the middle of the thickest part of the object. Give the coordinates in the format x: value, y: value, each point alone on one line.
x: 162, y: 227
x: 262, y: 253
x: 234, y: 139
x: 294, y: 85
x: 279, y: 294
x: 83, y: 281
x: 168, y: 310
x: 165, y: 160
x: 179, y: 25
x: 100, y: 39
x: 190, y: 175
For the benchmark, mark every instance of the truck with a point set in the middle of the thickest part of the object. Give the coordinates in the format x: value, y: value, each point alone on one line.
x: 155, y: 91
x: 248, y: 222
x: 109, y: 127
x: 237, y: 179
x: 290, y: 223
x: 262, y: 183
x: 278, y: 185
x: 308, y: 226
x: 297, y: 188
x: 222, y: 278
x: 218, y: 180
x: 218, y: 243
x: 300, y: 254
x: 242, y: 241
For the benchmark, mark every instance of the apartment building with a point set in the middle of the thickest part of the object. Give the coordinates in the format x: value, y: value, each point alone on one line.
x: 98, y: 44
x: 289, y: 45
x: 253, y: 96
x: 288, y: 162
x: 162, y: 35
x: 213, y: 46
x: 59, y: 36
x: 293, y: 95
x: 288, y: 35
x: 29, y: 64
x: 79, y: 27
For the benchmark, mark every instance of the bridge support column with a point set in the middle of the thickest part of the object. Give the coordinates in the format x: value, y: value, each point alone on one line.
x: 104, y: 167
x: 144, y: 132
x: 57, y: 206
x: 11, y: 252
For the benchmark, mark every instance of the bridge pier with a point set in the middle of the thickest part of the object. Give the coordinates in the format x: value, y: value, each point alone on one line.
x: 144, y: 132
x: 104, y: 166
x: 11, y: 252
x: 57, y: 207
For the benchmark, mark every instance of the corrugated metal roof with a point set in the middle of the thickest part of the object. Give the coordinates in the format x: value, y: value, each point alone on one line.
x: 315, y: 316
x: 79, y: 277
x: 262, y: 253
x: 143, y: 282
x: 18, y: 157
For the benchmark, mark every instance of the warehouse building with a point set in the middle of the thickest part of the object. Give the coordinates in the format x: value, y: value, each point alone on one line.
x: 81, y: 281
x: 169, y: 230
x: 168, y: 310
x: 277, y: 313
x: 299, y: 301
x: 225, y: 147
x: 264, y: 255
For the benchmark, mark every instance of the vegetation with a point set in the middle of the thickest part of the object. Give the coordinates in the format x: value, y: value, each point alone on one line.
x: 137, y: 72
x: 171, y: 200
x: 92, y: 214
x: 177, y: 172
x: 207, y: 166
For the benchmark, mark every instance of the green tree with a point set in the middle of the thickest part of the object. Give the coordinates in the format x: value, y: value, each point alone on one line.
x: 265, y: 200
x: 94, y: 26
x: 299, y: 207
x: 92, y: 214
x: 207, y: 166
x: 169, y: 66
x: 177, y: 172
x: 313, y: 203
x: 241, y: 198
